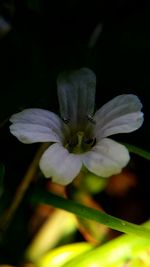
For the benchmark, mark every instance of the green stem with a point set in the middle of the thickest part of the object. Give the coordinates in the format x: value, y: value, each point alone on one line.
x: 139, y: 151
x: 91, y: 214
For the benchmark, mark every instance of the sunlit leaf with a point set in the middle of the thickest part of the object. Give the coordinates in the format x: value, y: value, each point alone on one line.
x: 59, y: 256
x: 116, y: 253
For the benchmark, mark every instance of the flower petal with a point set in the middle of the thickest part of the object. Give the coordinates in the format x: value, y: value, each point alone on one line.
x: 76, y: 94
x: 58, y: 163
x: 36, y: 125
x: 120, y: 115
x: 106, y: 158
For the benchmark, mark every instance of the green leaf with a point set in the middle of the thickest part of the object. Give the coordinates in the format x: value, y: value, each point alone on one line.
x: 89, y: 213
x: 59, y: 256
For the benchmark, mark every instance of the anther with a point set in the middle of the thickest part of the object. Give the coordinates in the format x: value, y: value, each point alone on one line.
x: 90, y: 118
x: 91, y: 142
x: 65, y: 120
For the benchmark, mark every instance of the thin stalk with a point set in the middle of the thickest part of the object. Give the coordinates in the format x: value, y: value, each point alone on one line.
x: 21, y: 190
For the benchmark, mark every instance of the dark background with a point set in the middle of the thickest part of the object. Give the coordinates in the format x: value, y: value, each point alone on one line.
x: 47, y: 37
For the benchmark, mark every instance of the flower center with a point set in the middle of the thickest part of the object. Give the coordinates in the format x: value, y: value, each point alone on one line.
x: 79, y: 143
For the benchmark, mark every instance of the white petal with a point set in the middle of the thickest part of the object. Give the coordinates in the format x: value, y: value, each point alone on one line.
x: 106, y: 158
x: 28, y: 133
x: 120, y: 115
x: 58, y: 163
x: 36, y: 125
x: 76, y: 94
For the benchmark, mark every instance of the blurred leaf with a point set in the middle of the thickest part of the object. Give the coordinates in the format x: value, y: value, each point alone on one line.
x: 59, y: 256
x: 115, y: 253
x: 120, y: 184
x: 51, y: 233
x: 93, y: 184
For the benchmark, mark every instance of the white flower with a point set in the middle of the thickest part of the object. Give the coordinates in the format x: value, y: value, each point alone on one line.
x: 80, y: 138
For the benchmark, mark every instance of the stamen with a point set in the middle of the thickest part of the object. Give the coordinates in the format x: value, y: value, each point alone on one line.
x: 80, y: 138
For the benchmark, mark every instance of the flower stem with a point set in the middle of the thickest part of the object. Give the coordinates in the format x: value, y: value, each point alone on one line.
x: 139, y: 151
x: 92, y: 214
